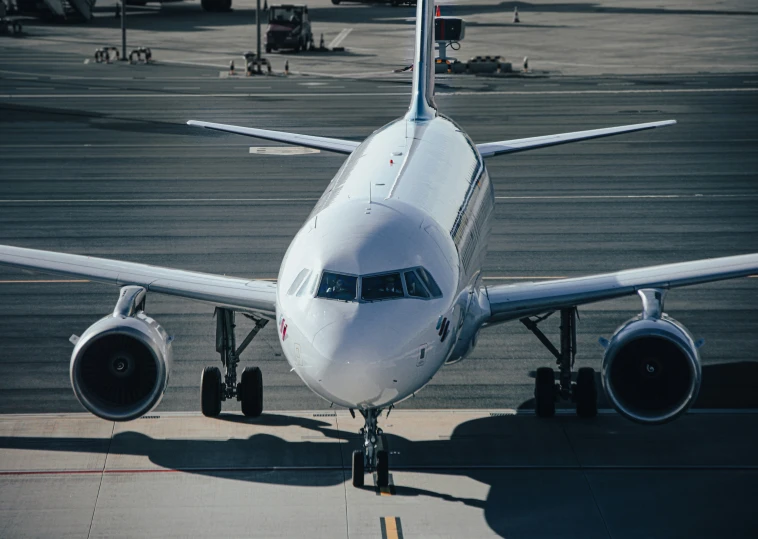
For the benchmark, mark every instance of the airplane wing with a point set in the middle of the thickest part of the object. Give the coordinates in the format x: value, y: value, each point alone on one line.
x: 489, y: 149
x: 508, y: 302
x: 247, y: 295
x: 309, y: 141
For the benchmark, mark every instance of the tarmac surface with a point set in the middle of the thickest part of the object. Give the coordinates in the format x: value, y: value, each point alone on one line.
x: 96, y: 159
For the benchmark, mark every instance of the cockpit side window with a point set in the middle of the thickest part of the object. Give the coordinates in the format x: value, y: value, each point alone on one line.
x: 379, y: 287
x: 338, y: 286
x: 431, y: 285
x: 414, y: 286
x: 302, y: 276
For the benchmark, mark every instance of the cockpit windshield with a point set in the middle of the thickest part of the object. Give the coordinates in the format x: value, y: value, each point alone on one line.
x: 408, y: 283
x: 338, y: 286
x: 384, y: 286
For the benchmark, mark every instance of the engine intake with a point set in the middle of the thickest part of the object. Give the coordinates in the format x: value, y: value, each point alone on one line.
x: 651, y: 370
x: 120, y: 365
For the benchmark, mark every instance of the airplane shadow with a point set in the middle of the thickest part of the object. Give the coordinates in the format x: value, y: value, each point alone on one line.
x: 535, y: 469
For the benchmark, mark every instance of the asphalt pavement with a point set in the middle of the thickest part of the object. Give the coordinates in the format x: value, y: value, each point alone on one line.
x: 97, y: 159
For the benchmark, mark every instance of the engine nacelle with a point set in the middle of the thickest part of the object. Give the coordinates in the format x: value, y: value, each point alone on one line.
x: 120, y: 366
x: 651, y: 369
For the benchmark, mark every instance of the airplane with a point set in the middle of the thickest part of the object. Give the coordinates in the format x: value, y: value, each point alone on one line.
x: 382, y: 286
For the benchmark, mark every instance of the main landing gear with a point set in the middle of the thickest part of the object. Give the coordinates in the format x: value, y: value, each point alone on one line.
x: 374, y: 456
x: 583, y: 392
x: 214, y: 389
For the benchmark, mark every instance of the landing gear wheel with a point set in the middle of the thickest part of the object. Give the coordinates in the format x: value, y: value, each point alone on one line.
x: 268, y: 49
x: 585, y: 393
x: 336, y: 2
x: 250, y: 391
x: 358, y: 473
x: 210, y: 392
x: 382, y: 468
x: 544, y: 392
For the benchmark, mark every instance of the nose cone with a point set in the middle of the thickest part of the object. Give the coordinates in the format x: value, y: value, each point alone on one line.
x: 370, y: 359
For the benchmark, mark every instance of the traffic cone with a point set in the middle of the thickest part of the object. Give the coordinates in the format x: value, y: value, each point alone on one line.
x: 526, y: 64
x: 231, y: 67
x: 287, y: 67
x: 437, y: 13
x: 515, y: 15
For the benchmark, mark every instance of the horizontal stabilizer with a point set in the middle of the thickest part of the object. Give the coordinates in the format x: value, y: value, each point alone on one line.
x: 488, y: 149
x: 309, y: 141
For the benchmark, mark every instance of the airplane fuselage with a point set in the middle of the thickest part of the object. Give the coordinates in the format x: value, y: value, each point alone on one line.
x: 412, y: 203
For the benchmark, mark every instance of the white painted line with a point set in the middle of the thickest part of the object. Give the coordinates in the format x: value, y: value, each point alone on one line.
x: 276, y: 199
x: 158, y: 95
x: 47, y: 281
x: 618, y: 197
x: 252, y: 87
x: 340, y: 38
x: 282, y: 150
x: 522, y: 278
x: 153, y: 200
x: 379, y: 94
x: 181, y: 87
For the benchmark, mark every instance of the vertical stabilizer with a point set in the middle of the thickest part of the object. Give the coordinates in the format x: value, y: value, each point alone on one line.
x: 423, y: 106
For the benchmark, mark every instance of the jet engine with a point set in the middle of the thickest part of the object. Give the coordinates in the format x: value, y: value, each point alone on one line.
x: 120, y: 365
x: 651, y: 367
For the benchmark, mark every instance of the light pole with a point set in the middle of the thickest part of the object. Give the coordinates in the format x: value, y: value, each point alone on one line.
x: 123, y: 29
x: 258, y: 25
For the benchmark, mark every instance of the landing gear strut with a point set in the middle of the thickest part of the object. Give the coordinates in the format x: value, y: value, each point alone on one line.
x: 546, y: 391
x: 374, y: 456
x: 214, y: 390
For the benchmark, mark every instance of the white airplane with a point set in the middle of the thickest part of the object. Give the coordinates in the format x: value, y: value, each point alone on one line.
x: 382, y: 286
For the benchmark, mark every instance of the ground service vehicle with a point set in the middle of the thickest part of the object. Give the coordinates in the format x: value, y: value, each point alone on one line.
x: 288, y: 28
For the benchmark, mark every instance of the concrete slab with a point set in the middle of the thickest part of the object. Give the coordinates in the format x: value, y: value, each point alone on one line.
x: 48, y: 443
x: 47, y: 505
x: 224, y: 504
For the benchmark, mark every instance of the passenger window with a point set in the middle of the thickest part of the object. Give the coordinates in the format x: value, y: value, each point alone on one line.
x: 338, y: 286
x: 414, y: 286
x: 298, y: 281
x: 378, y: 287
x: 429, y: 282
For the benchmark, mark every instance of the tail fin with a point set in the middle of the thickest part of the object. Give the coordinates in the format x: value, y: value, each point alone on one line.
x: 423, y: 106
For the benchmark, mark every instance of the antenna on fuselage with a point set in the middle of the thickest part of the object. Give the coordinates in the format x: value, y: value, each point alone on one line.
x: 423, y: 107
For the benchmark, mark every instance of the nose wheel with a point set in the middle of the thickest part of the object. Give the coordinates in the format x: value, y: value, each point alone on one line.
x: 374, y: 456
x: 214, y: 388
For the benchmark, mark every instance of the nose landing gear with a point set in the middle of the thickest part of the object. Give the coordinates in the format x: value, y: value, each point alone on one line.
x: 214, y: 389
x: 374, y: 456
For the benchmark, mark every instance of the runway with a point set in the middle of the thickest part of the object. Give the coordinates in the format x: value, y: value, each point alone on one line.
x: 98, y: 160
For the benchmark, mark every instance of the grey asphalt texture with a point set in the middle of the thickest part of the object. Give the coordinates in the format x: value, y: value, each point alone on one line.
x: 96, y: 160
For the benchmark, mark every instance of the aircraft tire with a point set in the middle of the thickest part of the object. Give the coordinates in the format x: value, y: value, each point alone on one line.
x: 544, y: 392
x: 585, y: 393
x: 336, y: 2
x: 250, y: 391
x: 358, y: 473
x: 210, y: 392
x: 382, y: 468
